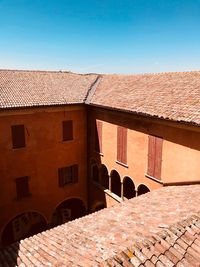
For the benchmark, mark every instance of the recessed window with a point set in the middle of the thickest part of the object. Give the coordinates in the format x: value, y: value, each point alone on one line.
x: 68, y: 175
x: 22, y: 187
x: 18, y: 136
x: 67, y: 130
x: 155, y: 156
x: 98, y: 137
x: 122, y: 144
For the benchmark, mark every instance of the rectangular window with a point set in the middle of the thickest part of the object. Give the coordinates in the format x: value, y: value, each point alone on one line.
x: 155, y: 156
x: 122, y: 144
x: 68, y: 175
x: 18, y: 136
x: 67, y: 130
x: 22, y: 187
x: 98, y: 136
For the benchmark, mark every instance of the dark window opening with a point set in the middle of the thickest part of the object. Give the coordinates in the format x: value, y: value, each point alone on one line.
x: 128, y: 188
x: 155, y: 156
x: 22, y: 187
x: 115, y: 183
x: 68, y: 175
x: 67, y: 130
x: 122, y: 144
x: 18, y: 136
x: 104, y: 177
x: 142, y: 189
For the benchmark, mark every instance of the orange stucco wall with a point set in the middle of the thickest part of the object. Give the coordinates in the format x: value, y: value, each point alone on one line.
x: 180, y: 154
x: 44, y: 153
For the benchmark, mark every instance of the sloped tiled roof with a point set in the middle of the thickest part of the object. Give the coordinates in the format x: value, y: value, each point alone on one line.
x: 178, y: 245
x: 158, y: 227
x: 173, y: 96
x: 42, y: 88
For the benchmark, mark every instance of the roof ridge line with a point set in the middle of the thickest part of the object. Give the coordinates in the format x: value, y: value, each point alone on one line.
x: 92, y: 89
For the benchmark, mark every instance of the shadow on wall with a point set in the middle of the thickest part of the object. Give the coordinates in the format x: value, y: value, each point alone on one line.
x: 22, y: 226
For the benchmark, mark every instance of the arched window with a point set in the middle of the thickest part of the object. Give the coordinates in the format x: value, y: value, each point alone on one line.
x: 128, y: 188
x: 115, y: 183
x: 104, y: 176
x: 68, y: 210
x: 142, y: 189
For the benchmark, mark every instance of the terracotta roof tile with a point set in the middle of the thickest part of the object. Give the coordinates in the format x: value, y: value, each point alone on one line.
x: 42, y: 88
x: 173, y: 96
x: 144, y: 231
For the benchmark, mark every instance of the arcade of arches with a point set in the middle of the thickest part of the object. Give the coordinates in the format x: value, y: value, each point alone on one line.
x: 30, y: 223
x: 124, y: 189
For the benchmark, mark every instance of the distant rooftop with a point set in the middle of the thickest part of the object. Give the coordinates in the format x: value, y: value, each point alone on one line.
x: 171, y: 96
x: 160, y: 228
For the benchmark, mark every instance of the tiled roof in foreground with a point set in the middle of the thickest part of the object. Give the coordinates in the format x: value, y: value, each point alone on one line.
x: 174, y: 96
x: 42, y: 88
x: 160, y: 228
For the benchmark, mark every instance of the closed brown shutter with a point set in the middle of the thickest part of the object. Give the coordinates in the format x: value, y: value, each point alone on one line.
x: 60, y: 177
x: 158, y: 158
x: 151, y: 155
x: 122, y: 144
x: 75, y: 173
x: 18, y: 136
x: 67, y: 130
x: 22, y: 187
x: 155, y: 156
x: 98, y: 137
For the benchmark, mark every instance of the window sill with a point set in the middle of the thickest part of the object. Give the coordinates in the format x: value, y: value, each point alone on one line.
x: 66, y: 141
x: 121, y: 163
x: 153, y: 178
x: 18, y: 148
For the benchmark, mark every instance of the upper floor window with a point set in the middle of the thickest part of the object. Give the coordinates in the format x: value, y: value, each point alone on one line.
x: 22, y: 187
x: 155, y: 156
x: 67, y: 130
x: 68, y: 175
x: 18, y: 136
x: 98, y: 136
x: 122, y: 144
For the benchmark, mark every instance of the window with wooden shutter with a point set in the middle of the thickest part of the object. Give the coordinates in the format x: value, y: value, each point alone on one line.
x: 122, y: 144
x: 18, y: 136
x: 98, y: 136
x: 67, y: 130
x: 68, y: 175
x: 22, y: 187
x: 154, y: 156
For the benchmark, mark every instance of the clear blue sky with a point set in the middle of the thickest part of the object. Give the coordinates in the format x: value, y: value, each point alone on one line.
x: 110, y: 36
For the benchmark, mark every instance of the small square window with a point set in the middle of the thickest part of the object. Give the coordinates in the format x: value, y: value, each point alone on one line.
x: 67, y: 130
x: 18, y: 136
x: 22, y: 187
x: 68, y: 175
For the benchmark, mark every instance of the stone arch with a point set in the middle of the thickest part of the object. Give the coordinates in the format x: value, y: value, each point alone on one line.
x: 115, y: 183
x: 128, y: 188
x: 104, y: 176
x: 68, y: 210
x: 95, y: 173
x: 142, y: 189
x: 23, y: 225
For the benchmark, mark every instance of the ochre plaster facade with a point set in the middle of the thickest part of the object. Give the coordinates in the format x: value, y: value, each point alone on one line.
x: 45, y: 152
